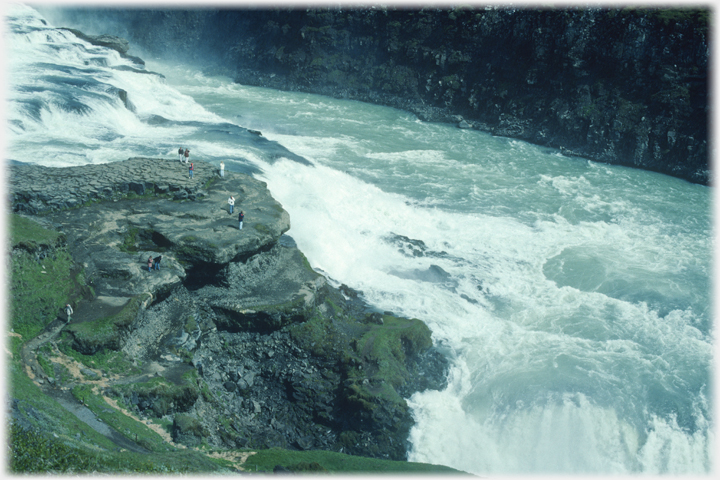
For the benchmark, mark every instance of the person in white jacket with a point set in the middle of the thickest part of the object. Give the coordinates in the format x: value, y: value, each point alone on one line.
x: 68, y: 312
x: 231, y: 202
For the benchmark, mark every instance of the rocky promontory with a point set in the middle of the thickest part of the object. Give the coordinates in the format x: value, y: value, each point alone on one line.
x: 235, y: 341
x: 193, y: 223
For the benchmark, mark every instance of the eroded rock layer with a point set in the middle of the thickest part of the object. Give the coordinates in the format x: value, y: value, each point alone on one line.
x: 235, y: 339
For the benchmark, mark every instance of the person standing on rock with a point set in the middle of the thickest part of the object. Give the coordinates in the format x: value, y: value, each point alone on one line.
x: 187, y: 155
x: 180, y: 152
x: 68, y: 312
x: 191, y: 170
x: 222, y: 172
x: 156, y: 262
x: 240, y: 219
x: 150, y: 264
x: 231, y: 202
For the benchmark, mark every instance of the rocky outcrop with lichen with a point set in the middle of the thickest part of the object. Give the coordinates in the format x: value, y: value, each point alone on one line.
x: 618, y: 85
x: 236, y: 341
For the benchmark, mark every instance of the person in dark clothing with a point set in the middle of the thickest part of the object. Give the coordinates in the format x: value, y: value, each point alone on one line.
x: 156, y: 262
x: 240, y: 219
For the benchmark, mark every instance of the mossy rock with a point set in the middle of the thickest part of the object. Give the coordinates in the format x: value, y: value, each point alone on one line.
x: 190, y: 324
x: 374, y: 352
x: 319, y: 336
x: 360, y: 399
x: 105, y: 333
x: 42, y: 276
x: 30, y: 235
x: 129, y: 243
x: 109, y: 361
x: 385, y: 350
x: 188, y: 429
x: 386, y: 416
x: 161, y: 396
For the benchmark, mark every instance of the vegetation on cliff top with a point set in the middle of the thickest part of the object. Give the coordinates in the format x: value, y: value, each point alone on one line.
x: 41, y: 281
x: 92, y: 337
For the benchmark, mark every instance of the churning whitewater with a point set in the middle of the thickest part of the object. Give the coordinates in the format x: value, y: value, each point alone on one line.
x: 572, y: 298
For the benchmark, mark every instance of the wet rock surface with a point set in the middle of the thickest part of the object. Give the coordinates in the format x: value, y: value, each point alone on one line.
x: 236, y: 341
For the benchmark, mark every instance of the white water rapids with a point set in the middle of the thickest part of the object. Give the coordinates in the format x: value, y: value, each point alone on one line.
x: 572, y: 298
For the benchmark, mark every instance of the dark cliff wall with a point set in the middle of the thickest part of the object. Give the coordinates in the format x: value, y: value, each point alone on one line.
x: 623, y: 86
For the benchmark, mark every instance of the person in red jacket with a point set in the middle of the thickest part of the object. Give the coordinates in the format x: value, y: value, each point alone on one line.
x: 191, y: 170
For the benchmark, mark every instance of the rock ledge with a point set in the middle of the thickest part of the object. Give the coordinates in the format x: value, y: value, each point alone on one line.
x: 235, y: 340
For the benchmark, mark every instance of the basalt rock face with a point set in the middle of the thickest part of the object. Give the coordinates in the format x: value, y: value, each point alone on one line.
x: 623, y: 86
x: 240, y: 343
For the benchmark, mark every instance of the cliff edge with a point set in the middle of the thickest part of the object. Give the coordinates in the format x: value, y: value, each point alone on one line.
x: 234, y: 342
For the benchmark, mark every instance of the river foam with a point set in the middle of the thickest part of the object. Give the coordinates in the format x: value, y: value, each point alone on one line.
x: 572, y: 298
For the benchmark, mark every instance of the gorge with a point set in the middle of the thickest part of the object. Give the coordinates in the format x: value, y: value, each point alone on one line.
x: 625, y: 86
x: 563, y: 304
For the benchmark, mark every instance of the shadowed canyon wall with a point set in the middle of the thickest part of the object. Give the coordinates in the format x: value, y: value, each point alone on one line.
x: 622, y: 86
